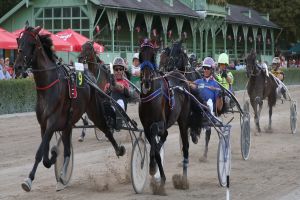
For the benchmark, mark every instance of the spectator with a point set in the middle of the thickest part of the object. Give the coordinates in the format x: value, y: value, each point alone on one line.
x: 9, y: 69
x: 135, y: 70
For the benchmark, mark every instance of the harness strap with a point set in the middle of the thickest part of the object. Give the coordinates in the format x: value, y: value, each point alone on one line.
x: 48, y: 86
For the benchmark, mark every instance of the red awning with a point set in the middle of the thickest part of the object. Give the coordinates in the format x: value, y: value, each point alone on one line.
x: 7, y: 40
x: 77, y: 40
x: 59, y: 44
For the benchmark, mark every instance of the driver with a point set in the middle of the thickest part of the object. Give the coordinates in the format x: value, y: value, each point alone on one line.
x: 209, y: 91
x: 276, y: 71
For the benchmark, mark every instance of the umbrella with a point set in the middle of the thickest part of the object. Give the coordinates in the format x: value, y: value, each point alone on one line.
x: 59, y: 44
x: 7, y: 40
x: 77, y: 40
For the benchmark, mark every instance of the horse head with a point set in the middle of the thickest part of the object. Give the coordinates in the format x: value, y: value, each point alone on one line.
x: 164, y: 59
x: 178, y: 59
x: 88, y: 53
x: 252, y: 68
x: 28, y: 42
x: 148, y: 65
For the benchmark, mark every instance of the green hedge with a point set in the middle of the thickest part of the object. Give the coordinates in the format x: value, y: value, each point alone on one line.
x: 19, y: 95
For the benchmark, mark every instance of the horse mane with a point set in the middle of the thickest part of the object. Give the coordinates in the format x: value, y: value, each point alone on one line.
x: 47, y: 44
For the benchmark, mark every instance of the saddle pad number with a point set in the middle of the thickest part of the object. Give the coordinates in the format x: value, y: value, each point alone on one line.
x: 79, y: 67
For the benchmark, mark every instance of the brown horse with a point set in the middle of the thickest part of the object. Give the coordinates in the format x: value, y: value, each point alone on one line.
x: 56, y: 109
x: 170, y: 105
x: 260, y: 87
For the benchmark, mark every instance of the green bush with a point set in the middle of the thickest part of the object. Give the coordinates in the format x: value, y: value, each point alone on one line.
x: 19, y: 95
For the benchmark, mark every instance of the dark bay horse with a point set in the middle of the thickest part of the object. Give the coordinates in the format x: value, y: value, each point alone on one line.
x: 174, y: 58
x: 260, y: 87
x: 95, y: 65
x: 56, y: 109
x: 160, y: 107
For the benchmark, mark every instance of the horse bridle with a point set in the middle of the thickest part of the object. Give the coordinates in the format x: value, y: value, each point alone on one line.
x: 38, y: 46
x: 256, y: 68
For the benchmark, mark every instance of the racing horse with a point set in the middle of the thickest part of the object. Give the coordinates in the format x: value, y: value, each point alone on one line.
x: 95, y: 65
x: 160, y: 107
x: 175, y: 58
x: 56, y: 108
x: 259, y: 87
x: 98, y: 69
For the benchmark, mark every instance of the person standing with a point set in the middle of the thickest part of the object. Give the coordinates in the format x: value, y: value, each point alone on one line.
x: 135, y: 70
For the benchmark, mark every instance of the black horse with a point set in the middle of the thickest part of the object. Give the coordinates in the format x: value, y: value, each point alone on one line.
x: 160, y: 107
x: 260, y: 86
x: 175, y: 59
x: 57, y: 109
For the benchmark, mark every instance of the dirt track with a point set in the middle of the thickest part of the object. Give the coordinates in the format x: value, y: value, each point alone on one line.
x: 272, y: 172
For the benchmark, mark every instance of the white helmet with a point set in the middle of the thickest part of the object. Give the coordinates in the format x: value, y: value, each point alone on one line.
x: 135, y: 56
x: 223, y: 58
x: 276, y: 60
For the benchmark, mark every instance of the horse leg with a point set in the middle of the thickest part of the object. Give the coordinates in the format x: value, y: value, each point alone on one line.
x: 66, y: 139
x: 256, y: 118
x: 46, y: 161
x: 120, y: 150
x: 27, y: 184
x: 207, y: 138
x: 181, y: 181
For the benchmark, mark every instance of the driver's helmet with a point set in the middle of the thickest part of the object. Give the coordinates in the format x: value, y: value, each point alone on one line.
x: 118, y: 61
x: 276, y: 60
x: 223, y: 59
x: 208, y: 62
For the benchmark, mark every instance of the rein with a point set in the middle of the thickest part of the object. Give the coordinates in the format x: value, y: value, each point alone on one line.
x: 48, y: 86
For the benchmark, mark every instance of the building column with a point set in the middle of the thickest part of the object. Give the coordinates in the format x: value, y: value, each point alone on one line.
x: 179, y: 23
x: 148, y: 21
x: 224, y: 32
x: 131, y: 20
x: 112, y: 16
x: 245, y: 32
x: 194, y: 25
x: 235, y: 29
x: 272, y: 42
x: 201, y: 42
x: 254, y: 30
x: 164, y: 23
x: 264, y: 37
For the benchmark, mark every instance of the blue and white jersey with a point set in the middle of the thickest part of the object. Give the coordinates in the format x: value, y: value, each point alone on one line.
x: 208, y: 88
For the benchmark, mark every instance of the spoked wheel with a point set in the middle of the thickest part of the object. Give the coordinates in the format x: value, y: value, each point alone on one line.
x: 245, y: 132
x: 60, y: 163
x: 293, y: 117
x: 99, y: 134
x: 139, y: 165
x: 224, y: 158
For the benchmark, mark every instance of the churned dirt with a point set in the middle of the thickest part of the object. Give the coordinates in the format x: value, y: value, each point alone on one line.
x: 272, y: 171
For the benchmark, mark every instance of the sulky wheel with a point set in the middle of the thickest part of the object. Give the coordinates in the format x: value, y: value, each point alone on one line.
x: 139, y: 165
x: 224, y: 160
x: 293, y: 117
x: 99, y: 134
x: 60, y: 163
x: 245, y: 132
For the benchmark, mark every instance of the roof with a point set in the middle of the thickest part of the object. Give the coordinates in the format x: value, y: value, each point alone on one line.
x: 237, y: 16
x: 153, y: 6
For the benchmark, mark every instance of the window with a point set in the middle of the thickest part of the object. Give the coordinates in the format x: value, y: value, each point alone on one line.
x: 66, y: 23
x: 57, y: 24
x: 48, y: 24
x: 57, y: 12
x: 67, y: 12
x: 85, y: 24
x: 48, y: 12
x: 75, y: 12
x: 76, y: 24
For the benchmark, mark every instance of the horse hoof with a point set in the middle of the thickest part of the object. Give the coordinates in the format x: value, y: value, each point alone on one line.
x: 26, y: 185
x: 47, y: 164
x: 54, y: 151
x: 180, y: 182
x: 121, y: 151
x: 60, y: 186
